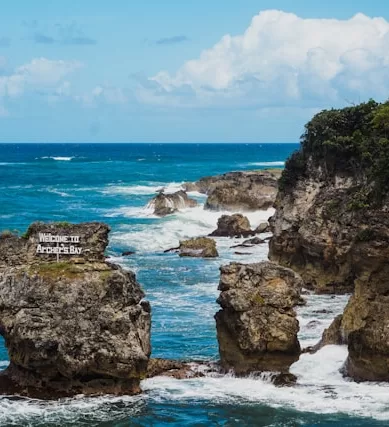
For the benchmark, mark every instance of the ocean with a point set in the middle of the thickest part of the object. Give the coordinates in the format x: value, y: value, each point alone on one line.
x: 113, y: 183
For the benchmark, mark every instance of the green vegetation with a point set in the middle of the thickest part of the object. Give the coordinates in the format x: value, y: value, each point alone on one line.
x: 62, y: 224
x: 6, y: 233
x: 53, y: 270
x: 258, y: 299
x: 350, y: 141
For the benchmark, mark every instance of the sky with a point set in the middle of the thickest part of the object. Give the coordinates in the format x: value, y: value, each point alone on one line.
x: 185, y: 71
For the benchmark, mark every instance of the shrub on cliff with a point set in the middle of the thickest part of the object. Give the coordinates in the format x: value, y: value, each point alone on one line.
x: 351, y: 141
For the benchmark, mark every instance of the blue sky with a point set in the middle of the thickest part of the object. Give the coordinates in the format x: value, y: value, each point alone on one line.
x: 184, y: 71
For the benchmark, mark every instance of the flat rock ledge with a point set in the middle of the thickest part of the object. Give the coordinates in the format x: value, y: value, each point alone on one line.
x: 76, y: 325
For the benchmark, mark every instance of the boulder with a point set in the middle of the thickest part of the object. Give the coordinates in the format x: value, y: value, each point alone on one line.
x: 243, y: 190
x: 262, y: 228
x: 73, y: 325
x: 235, y: 225
x: 166, y: 204
x: 257, y: 325
x: 199, y: 247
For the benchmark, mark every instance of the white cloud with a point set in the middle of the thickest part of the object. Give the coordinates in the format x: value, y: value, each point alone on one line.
x: 38, y: 74
x: 282, y: 59
x: 103, y: 94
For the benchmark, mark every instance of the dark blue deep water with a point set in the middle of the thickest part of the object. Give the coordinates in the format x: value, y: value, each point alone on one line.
x: 113, y: 183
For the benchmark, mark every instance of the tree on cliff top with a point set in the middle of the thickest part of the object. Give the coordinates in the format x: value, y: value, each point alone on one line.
x: 349, y: 141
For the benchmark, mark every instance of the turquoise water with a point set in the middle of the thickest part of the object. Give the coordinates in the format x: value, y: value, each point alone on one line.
x: 113, y: 183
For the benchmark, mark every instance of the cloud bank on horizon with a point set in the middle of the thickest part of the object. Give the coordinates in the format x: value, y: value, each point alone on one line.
x: 282, y: 59
x: 281, y: 64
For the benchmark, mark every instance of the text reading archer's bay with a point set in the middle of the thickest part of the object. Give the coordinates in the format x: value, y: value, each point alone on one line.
x: 64, y: 244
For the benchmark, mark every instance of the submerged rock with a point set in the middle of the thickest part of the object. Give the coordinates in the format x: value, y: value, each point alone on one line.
x: 166, y: 204
x: 199, y: 247
x: 257, y: 325
x: 74, y: 326
x: 235, y: 225
x: 245, y: 190
x: 173, y: 368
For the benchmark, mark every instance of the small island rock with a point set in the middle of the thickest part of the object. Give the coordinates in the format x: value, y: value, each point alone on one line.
x: 257, y: 325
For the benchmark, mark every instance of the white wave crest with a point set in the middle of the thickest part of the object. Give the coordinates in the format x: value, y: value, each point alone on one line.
x: 58, y: 158
x: 279, y: 163
x: 320, y: 388
x: 191, y: 222
x: 152, y: 188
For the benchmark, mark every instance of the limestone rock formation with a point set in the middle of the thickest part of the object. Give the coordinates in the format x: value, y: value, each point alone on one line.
x: 166, y: 204
x: 235, y: 225
x: 79, y: 325
x: 234, y: 191
x: 332, y: 225
x: 257, y: 326
x: 328, y: 216
x: 200, y: 247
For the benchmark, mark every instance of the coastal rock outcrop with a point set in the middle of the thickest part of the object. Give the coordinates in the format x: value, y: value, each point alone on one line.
x: 235, y: 225
x: 332, y: 225
x: 331, y: 209
x: 234, y: 191
x: 166, y: 204
x: 263, y: 227
x: 257, y: 325
x: 199, y: 247
x: 72, y: 322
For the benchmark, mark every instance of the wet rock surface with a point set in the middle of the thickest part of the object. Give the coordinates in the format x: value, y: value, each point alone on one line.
x: 235, y: 225
x: 166, y: 204
x: 75, y: 326
x: 199, y: 247
x: 234, y: 191
x: 257, y: 325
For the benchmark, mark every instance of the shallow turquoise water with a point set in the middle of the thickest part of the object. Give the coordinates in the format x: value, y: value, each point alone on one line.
x: 113, y: 183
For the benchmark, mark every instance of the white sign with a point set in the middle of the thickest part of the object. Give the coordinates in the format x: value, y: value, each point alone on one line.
x: 64, y: 245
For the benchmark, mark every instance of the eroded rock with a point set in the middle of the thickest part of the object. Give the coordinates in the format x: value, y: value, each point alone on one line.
x: 234, y: 191
x: 235, y: 225
x: 75, y: 326
x: 257, y: 325
x: 332, y: 225
x: 166, y: 204
x: 199, y: 247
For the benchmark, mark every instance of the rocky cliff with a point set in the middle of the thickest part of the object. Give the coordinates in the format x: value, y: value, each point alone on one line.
x: 257, y: 326
x: 331, y: 209
x: 72, y: 325
x: 234, y: 191
x: 332, y: 226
